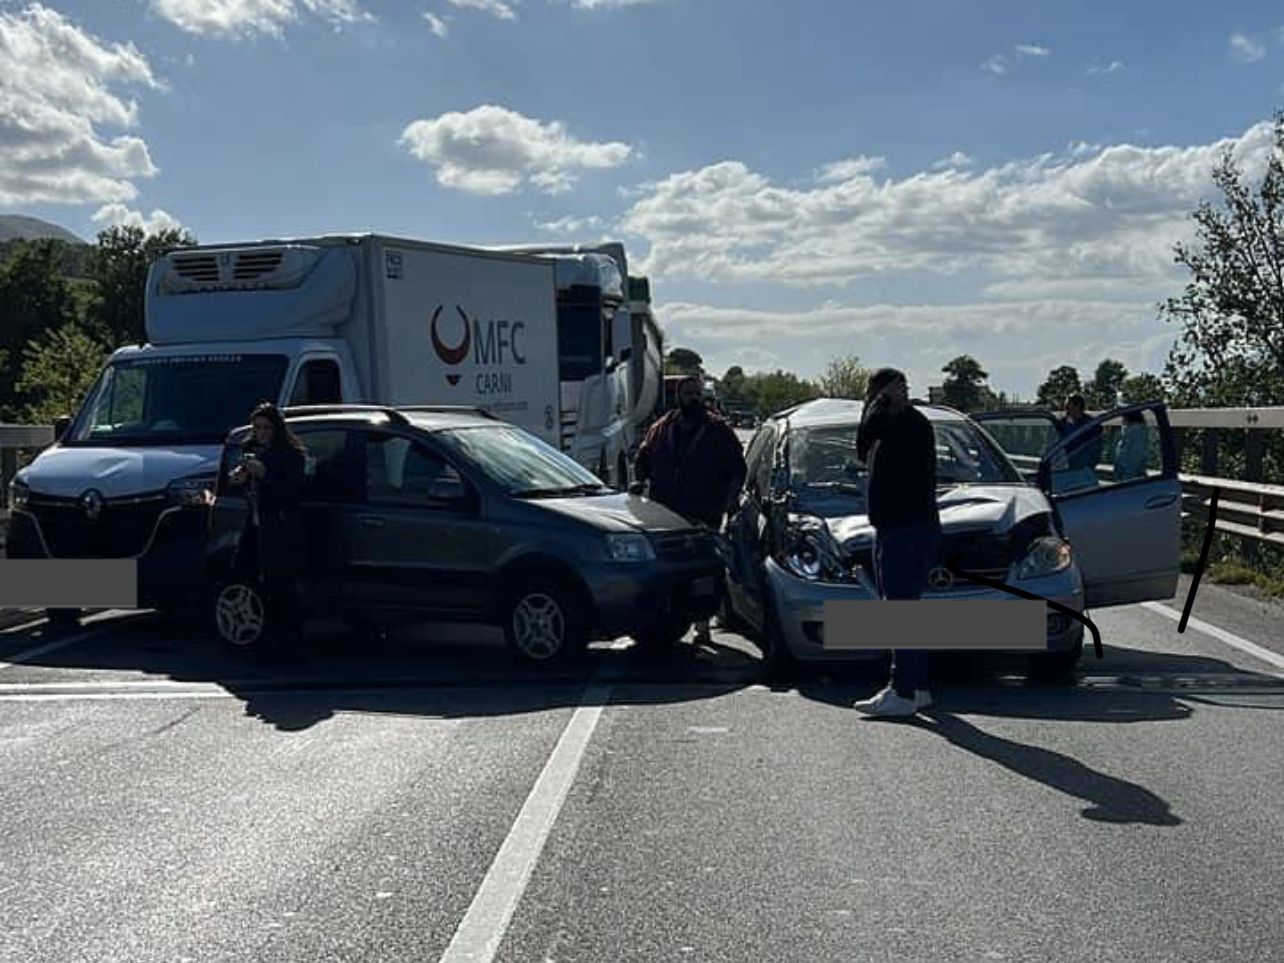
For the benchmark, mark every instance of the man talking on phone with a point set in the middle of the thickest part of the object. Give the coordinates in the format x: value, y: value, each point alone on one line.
x: 897, y: 444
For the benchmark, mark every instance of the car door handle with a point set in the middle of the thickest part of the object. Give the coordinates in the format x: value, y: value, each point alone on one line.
x: 1159, y: 501
x: 372, y: 521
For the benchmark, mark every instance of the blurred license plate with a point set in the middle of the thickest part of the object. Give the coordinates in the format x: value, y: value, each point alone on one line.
x: 704, y: 586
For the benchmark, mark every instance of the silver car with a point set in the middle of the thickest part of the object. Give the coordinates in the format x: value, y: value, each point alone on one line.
x: 1072, y: 524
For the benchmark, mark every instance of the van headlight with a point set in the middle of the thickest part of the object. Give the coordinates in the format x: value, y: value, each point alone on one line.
x: 1046, y: 556
x: 629, y: 548
x: 194, y: 492
x: 19, y: 495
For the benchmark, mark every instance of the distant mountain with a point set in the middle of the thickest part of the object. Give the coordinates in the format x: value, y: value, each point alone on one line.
x: 18, y: 227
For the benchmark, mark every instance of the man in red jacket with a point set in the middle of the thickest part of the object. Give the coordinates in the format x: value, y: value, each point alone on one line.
x: 694, y: 463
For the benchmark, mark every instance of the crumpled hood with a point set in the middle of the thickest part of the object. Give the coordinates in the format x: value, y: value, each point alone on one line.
x: 619, y: 512
x: 990, y: 509
x: 116, y: 472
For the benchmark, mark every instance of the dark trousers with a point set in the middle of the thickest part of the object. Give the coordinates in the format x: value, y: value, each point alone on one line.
x: 902, y: 557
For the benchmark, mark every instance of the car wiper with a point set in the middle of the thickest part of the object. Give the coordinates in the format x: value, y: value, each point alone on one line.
x: 589, y: 488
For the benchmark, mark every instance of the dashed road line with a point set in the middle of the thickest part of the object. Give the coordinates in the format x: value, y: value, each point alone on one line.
x: 39, y: 650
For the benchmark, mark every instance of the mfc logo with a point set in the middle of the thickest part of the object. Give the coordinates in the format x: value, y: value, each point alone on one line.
x: 491, y: 343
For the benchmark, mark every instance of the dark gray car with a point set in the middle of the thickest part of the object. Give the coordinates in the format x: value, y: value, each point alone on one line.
x: 418, y: 514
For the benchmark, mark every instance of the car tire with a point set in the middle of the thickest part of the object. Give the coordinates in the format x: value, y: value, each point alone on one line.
x: 63, y: 618
x: 1056, y: 667
x: 239, y: 613
x: 544, y: 623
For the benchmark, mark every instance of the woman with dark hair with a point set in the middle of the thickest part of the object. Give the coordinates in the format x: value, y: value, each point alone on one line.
x: 271, y: 467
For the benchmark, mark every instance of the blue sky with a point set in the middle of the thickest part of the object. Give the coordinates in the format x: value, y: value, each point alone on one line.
x: 905, y: 182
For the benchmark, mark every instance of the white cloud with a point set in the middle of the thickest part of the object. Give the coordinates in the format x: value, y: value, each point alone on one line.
x: 1110, y: 68
x: 497, y: 8
x: 436, y: 24
x: 572, y: 225
x: 957, y: 159
x: 1246, y: 49
x: 851, y: 167
x: 1106, y: 219
x: 493, y: 150
x: 1033, y: 50
x: 118, y: 215
x: 998, y: 65
x: 249, y: 18
x: 58, y: 85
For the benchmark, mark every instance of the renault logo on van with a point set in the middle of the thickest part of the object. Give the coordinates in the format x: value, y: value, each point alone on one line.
x: 451, y: 355
x: 92, y: 502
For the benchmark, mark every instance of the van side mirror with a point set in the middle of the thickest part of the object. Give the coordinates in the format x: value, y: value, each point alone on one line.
x: 60, y: 426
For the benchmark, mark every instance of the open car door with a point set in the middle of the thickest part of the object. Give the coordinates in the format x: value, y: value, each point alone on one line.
x: 1113, y: 484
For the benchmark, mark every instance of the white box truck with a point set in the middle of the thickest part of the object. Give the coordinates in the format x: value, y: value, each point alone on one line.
x: 342, y: 318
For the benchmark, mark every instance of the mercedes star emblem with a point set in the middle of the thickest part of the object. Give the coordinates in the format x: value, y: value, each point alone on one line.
x: 940, y: 578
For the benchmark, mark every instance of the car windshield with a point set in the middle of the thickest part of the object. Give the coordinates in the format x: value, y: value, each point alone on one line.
x: 823, y: 459
x: 520, y: 463
x: 176, y: 400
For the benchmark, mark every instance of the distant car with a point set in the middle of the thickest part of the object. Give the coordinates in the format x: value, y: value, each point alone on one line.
x: 450, y: 515
x: 801, y: 536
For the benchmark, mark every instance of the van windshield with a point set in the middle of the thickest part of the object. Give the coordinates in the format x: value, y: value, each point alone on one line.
x: 193, y: 399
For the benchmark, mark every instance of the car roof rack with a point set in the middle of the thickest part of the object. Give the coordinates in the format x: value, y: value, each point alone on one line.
x: 302, y: 411
x: 395, y: 414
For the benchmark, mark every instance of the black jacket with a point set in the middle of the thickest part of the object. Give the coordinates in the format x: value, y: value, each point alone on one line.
x: 900, y: 451
x: 280, y: 542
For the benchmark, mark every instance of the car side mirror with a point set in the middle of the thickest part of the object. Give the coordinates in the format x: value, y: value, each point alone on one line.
x: 446, y: 490
x: 60, y: 426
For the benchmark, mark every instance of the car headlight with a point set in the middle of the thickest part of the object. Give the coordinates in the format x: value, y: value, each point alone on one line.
x: 1046, y: 556
x: 19, y: 494
x: 629, y: 548
x: 194, y: 492
x: 808, y: 551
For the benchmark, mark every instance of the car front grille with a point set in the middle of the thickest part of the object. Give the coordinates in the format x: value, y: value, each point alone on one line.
x: 122, y: 529
x: 682, y: 546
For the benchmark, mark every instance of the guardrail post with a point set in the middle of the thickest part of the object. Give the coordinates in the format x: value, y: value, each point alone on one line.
x: 1209, y: 457
x: 1253, y: 473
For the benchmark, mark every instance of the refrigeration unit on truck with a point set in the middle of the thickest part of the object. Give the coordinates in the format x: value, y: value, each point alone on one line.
x: 347, y: 318
x: 611, y: 354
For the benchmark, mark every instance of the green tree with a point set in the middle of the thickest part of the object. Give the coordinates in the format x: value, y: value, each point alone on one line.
x: 844, y: 377
x: 1102, y: 392
x: 683, y: 361
x: 33, y: 297
x: 1062, y: 381
x: 119, y: 265
x: 1141, y: 387
x: 57, y: 371
x: 777, y: 390
x: 964, y: 389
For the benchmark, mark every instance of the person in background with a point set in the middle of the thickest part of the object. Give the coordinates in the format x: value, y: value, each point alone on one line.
x: 1087, y: 451
x: 692, y: 463
x: 271, y: 468
x: 1134, y: 448
x: 897, y: 444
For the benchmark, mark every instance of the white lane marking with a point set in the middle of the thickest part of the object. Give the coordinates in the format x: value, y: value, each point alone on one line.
x: 56, y: 644
x: 111, y: 696
x: 483, y: 927
x: 1230, y: 638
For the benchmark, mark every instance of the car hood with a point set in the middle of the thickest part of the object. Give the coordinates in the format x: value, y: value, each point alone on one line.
x: 618, y: 512
x: 116, y: 472
x: 985, y: 509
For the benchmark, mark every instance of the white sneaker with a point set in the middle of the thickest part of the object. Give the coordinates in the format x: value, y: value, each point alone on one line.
x: 888, y: 703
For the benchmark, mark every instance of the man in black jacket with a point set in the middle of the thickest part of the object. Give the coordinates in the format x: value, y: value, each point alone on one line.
x: 898, y: 445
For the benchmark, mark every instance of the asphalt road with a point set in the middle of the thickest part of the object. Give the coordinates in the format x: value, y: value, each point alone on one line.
x: 419, y: 799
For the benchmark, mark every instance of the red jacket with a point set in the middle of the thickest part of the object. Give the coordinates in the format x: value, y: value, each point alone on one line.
x: 699, y: 480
